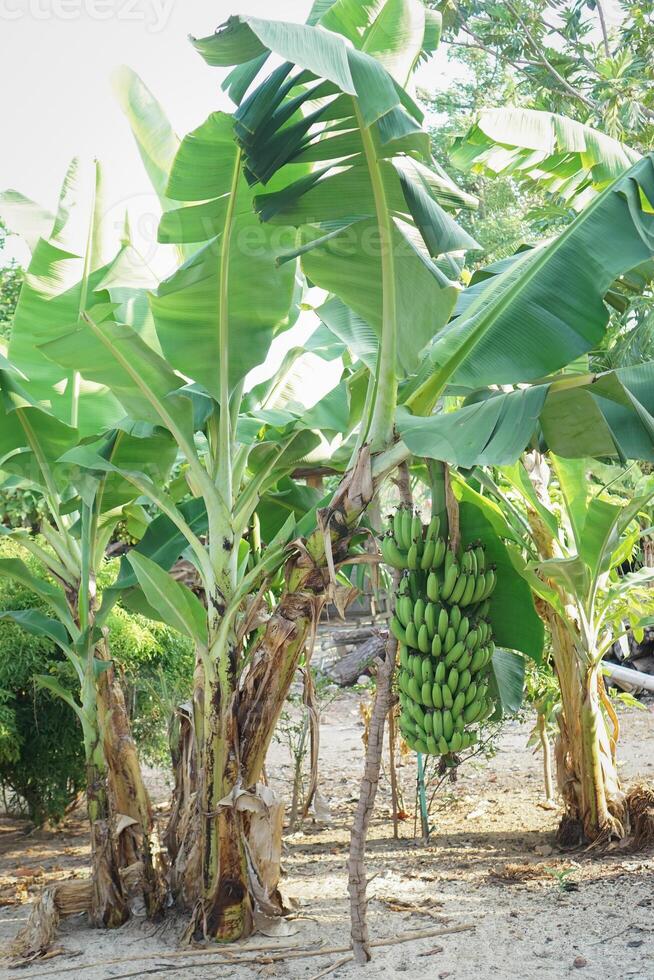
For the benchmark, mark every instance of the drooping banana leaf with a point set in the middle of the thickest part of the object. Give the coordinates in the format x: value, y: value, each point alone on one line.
x: 548, y: 307
x: 610, y: 414
x: 334, y: 106
x: 564, y: 156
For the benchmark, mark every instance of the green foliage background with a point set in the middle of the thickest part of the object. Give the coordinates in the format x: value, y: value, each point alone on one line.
x: 41, y: 755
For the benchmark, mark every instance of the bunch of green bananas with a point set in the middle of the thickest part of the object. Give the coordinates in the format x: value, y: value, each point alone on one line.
x: 445, y: 640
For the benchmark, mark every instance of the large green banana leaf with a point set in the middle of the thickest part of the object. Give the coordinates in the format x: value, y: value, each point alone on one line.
x: 610, y: 414
x: 515, y: 622
x: 77, y: 264
x: 548, y: 307
x: 249, y: 289
x: 334, y: 106
x: 24, y: 217
x: 564, y: 156
x: 155, y: 138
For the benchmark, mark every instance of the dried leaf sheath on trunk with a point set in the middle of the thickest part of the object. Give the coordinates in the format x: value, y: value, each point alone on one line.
x: 257, y: 703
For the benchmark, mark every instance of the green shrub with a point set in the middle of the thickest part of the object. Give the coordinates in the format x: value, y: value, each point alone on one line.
x: 41, y: 752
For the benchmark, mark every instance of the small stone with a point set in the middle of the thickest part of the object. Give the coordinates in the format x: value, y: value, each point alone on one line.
x: 635, y: 943
x: 364, y: 680
x: 579, y: 962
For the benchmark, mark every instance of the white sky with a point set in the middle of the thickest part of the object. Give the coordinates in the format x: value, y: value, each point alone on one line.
x: 55, y: 76
x: 56, y: 61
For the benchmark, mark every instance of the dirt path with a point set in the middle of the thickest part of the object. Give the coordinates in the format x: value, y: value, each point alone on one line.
x: 491, y: 863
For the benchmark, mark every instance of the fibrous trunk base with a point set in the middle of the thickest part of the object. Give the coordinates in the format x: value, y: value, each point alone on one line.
x: 57, y: 901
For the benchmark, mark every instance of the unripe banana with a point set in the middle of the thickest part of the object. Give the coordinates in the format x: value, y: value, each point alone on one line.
x: 459, y: 725
x: 472, y: 640
x: 464, y: 662
x: 392, y: 554
x: 467, y: 562
x: 490, y: 578
x: 469, y: 590
x: 404, y: 656
x: 459, y: 704
x: 455, y: 618
x: 419, y: 613
x: 416, y: 532
x: 436, y: 647
x: 478, y: 660
x: 473, y: 561
x: 483, y: 610
x: 429, y: 722
x: 432, y: 747
x: 412, y: 557
x: 453, y: 680
x: 407, y: 521
x: 411, y: 636
x: 455, y: 654
x: 398, y: 631
x: 433, y: 528
x: 440, y: 672
x: 404, y: 610
x: 436, y: 695
x: 419, y: 715
x: 450, y: 640
x: 431, y: 619
x: 450, y: 580
x: 464, y: 628
x: 414, y: 692
x: 465, y: 679
x: 439, y: 553
x: 443, y: 623
x: 459, y: 588
x: 437, y: 724
x: 398, y: 534
x: 433, y: 587
x: 449, y: 560
x: 424, y: 643
x: 426, y: 695
x: 416, y: 667
x: 455, y: 742
x: 480, y: 555
x: 427, y: 670
x: 428, y: 556
x: 480, y: 585
x: 471, y: 712
x: 414, y: 586
x: 448, y: 725
x: 443, y: 747
x: 448, y: 700
x: 471, y: 693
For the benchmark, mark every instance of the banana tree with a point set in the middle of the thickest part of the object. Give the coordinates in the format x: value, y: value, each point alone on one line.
x: 338, y: 140
x: 81, y: 512
x: 583, y: 537
x: 47, y: 412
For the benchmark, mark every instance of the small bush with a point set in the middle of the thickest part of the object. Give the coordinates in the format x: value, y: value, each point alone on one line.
x: 41, y: 751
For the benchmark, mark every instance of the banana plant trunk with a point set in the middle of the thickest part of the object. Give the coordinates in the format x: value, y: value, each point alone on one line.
x: 133, y: 819
x: 587, y: 774
x: 585, y: 750
x: 238, y: 720
x: 109, y: 907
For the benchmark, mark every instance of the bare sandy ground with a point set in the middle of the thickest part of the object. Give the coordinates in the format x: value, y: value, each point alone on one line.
x: 491, y: 863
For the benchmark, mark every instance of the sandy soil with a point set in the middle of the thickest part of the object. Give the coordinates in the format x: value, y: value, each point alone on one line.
x: 491, y: 863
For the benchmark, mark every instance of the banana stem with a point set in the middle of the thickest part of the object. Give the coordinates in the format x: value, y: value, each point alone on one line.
x: 385, y: 400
